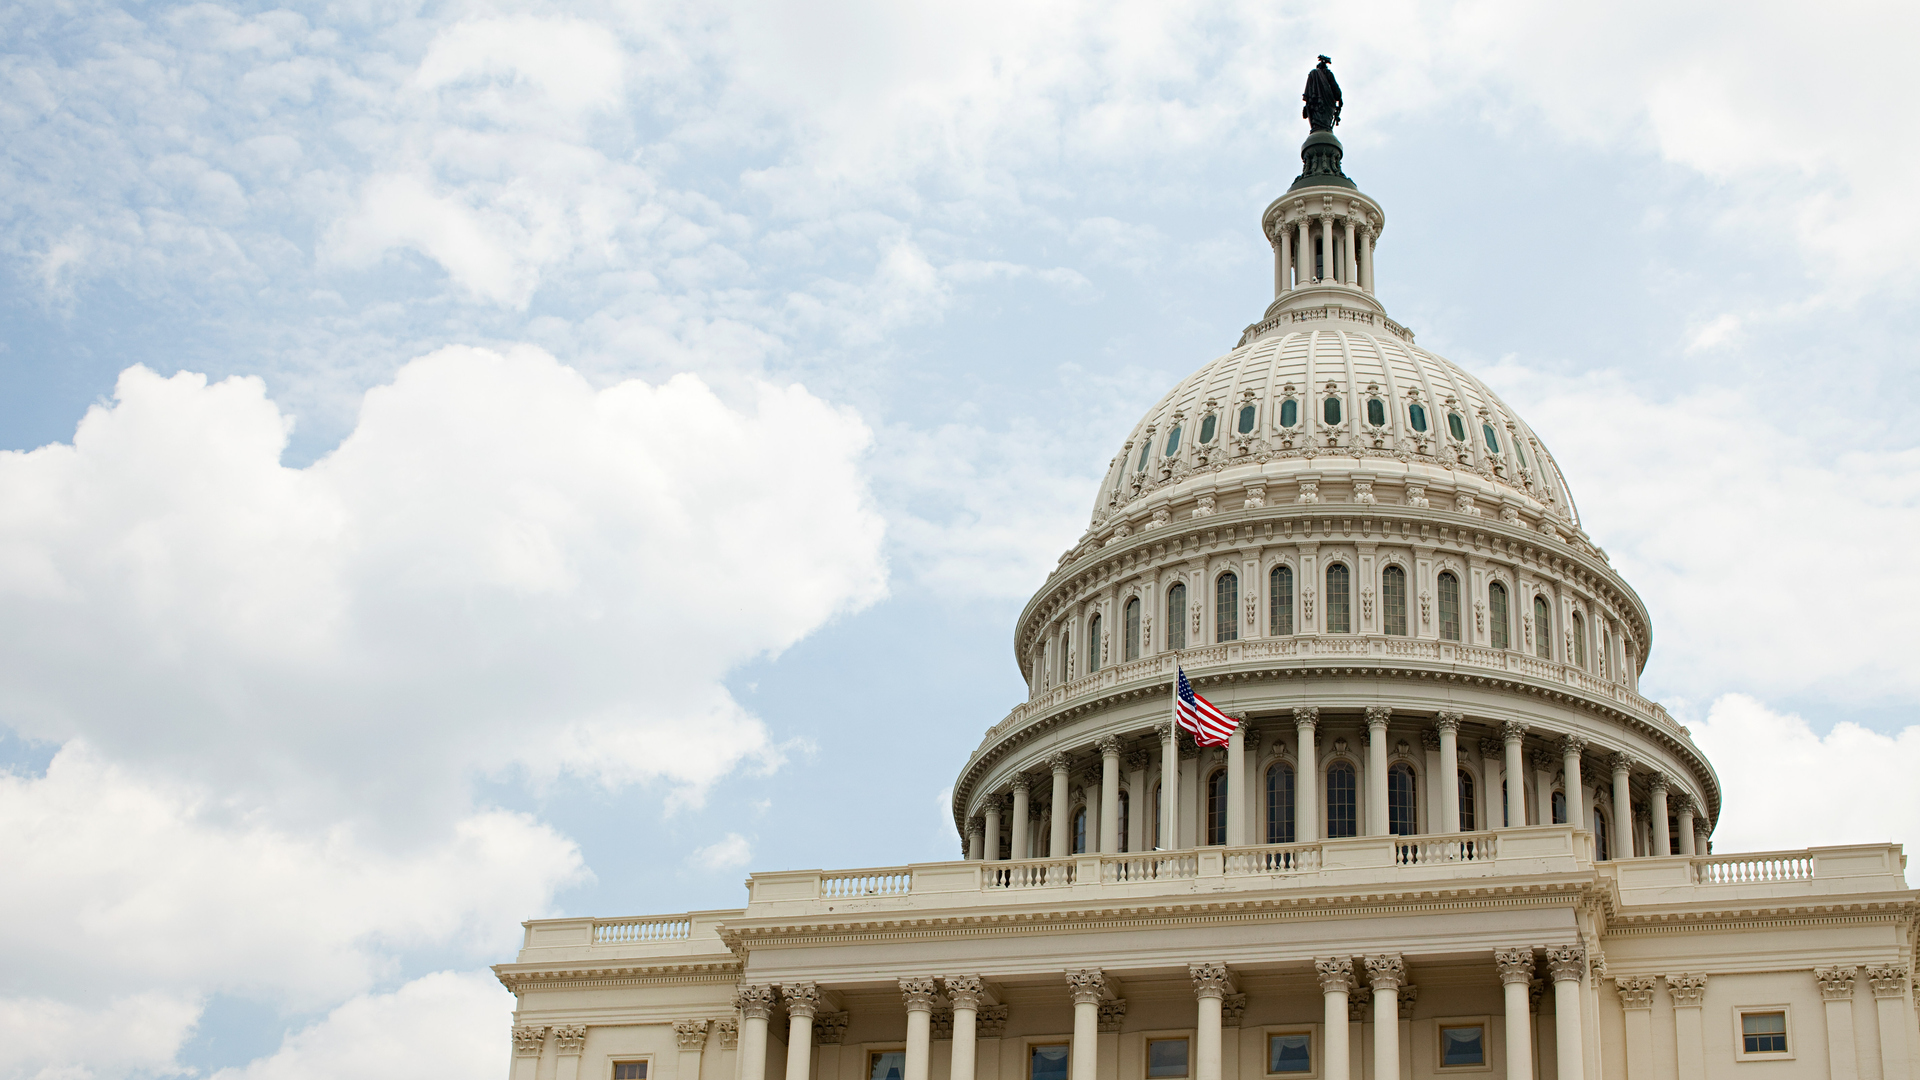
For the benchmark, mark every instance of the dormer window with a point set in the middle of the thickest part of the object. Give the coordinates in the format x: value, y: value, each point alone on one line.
x: 1331, y: 410
x: 1417, y: 416
x: 1173, y: 441
x: 1289, y: 413
x: 1247, y: 413
x: 1457, y: 426
x: 1376, y: 412
x: 1493, y: 441
x: 1207, y: 426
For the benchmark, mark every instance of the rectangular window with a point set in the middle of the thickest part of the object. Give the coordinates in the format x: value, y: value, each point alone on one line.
x: 887, y: 1065
x: 1290, y: 1053
x: 1048, y: 1063
x: 629, y: 1070
x: 1462, y: 1045
x: 1166, y: 1057
x: 1764, y: 1032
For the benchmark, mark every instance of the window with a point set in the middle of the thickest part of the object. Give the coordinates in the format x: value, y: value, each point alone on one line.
x: 1080, y: 831
x: 1393, y: 601
x: 1124, y: 803
x: 1542, y: 629
x: 1154, y: 825
x: 1763, y: 1032
x: 1289, y: 413
x: 1217, y: 808
x: 1579, y: 640
x: 1290, y: 1053
x: 1376, y: 412
x: 1506, y: 819
x: 1280, y: 601
x: 1497, y: 616
x: 1401, y: 819
x: 1521, y: 451
x: 1166, y: 1057
x: 1280, y: 803
x: 1177, y: 617
x: 1330, y: 411
x: 1559, y: 808
x: 1145, y: 448
x: 1093, y: 644
x: 1066, y: 655
x: 1606, y: 649
x: 1493, y: 441
x: 1457, y: 426
x: 1247, y: 413
x: 1417, y: 416
x: 1342, y: 809
x: 629, y: 1070
x: 1462, y: 1044
x: 1132, y: 611
x: 1601, y: 849
x: 1449, y: 607
x: 1226, y: 606
x: 1339, y: 600
x: 1047, y: 1063
x: 1173, y: 441
x: 886, y: 1065
x: 1207, y: 426
x: 1469, y: 820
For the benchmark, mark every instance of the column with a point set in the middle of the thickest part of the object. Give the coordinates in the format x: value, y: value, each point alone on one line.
x: 992, y: 832
x: 568, y: 1041
x: 1366, y: 267
x: 1169, y: 787
x: 1571, y: 747
x: 1336, y: 979
x: 1377, y: 717
x: 1352, y: 276
x: 1237, y: 786
x: 1568, y: 964
x: 1684, y: 807
x: 1209, y: 986
x: 755, y: 1002
x: 1022, y: 807
x: 1109, y: 795
x: 1701, y: 841
x: 1303, y: 251
x: 1086, y: 986
x: 1057, y: 847
x: 527, y: 1043
x: 691, y: 1035
x: 1891, y: 1010
x: 918, y: 994
x: 1306, y: 801
x: 1636, y: 1001
x: 1516, y: 971
x: 1386, y: 973
x: 1543, y: 786
x: 1657, y: 815
x: 1326, y: 249
x: 1622, y: 806
x: 964, y: 991
x: 1491, y: 753
x: 1283, y: 261
x: 1836, y: 993
x: 1090, y: 798
x: 1513, y: 734
x: 1141, y: 802
x: 803, y: 1000
x: 1449, y: 778
x: 1688, y: 993
x: 975, y: 845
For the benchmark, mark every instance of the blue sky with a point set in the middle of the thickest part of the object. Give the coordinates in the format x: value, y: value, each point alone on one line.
x: 471, y: 461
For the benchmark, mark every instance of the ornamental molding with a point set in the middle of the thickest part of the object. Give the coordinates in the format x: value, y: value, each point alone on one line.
x: 728, y: 1029
x: 1836, y: 983
x: 991, y: 1023
x: 1086, y: 986
x: 1335, y: 973
x: 1635, y: 992
x: 802, y: 999
x: 965, y: 991
x: 1567, y: 963
x: 1888, y: 981
x: 754, y: 1001
x: 1688, y: 991
x: 1210, y: 980
x: 527, y: 1040
x: 1113, y: 1013
x: 570, y: 1040
x: 1386, y: 972
x: 1233, y: 1009
x: 691, y: 1034
x: 918, y: 993
x: 1514, y: 965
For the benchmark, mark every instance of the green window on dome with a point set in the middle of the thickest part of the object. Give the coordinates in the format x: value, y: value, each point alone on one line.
x: 1417, y: 416
x: 1522, y: 451
x: 1457, y: 426
x: 1145, y: 448
x: 1207, y: 426
x: 1332, y: 410
x: 1376, y: 412
x: 1289, y: 413
x: 1493, y: 441
x: 1246, y: 419
x: 1173, y: 441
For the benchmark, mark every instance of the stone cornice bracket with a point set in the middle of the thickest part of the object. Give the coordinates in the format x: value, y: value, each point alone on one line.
x: 1620, y: 763
x: 1635, y: 992
x: 1513, y: 731
x: 1113, y: 1013
x: 528, y: 1040
x: 1233, y: 1009
x: 1516, y: 965
x: 570, y: 1040
x: 1378, y: 716
x: 803, y: 999
x: 1572, y: 744
x: 1336, y: 974
x: 1306, y: 717
x: 918, y: 994
x: 690, y: 1034
x: 1210, y: 980
x: 1059, y: 763
x: 1386, y: 972
x: 1087, y: 986
x: 965, y: 991
x: 1888, y: 981
x: 1448, y: 721
x: 991, y: 1023
x: 1108, y: 746
x: 1836, y: 983
x: 1566, y: 963
x: 754, y: 1000
x: 1687, y: 991
x: 829, y: 1028
x: 729, y: 1031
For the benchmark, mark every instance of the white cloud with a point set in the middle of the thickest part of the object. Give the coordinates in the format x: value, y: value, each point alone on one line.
x: 730, y: 852
x: 131, y: 1034
x: 444, y: 1024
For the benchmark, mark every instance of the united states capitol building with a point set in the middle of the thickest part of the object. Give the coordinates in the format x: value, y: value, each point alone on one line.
x: 1450, y: 837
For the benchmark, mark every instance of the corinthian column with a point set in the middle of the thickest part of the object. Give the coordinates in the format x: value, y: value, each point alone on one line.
x: 1352, y: 276
x: 1326, y: 249
x: 1057, y: 848
x: 755, y: 1002
x: 918, y: 994
x: 1568, y: 963
x: 1109, y: 748
x: 1170, y: 786
x: 1622, y: 805
x: 1237, y: 786
x: 1377, y: 717
x: 1657, y: 814
x: 1571, y: 747
x: 1306, y: 801
x: 993, y: 805
x: 1449, y: 779
x: 1515, y: 771
x: 964, y: 992
x: 1684, y: 808
x: 1336, y: 979
x: 1387, y: 974
x: 1516, y: 973
x: 1210, y: 985
x: 1022, y: 798
x: 1086, y: 986
x: 1283, y: 260
x: 803, y: 1000
x: 1303, y: 250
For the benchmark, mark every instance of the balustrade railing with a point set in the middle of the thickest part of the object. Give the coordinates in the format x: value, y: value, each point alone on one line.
x: 628, y: 931
x: 1453, y: 848
x: 1288, y: 859
x: 1028, y: 874
x: 1148, y: 866
x: 1744, y: 870
x: 893, y: 882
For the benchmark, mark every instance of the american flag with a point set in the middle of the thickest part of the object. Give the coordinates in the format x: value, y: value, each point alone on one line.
x: 1210, y: 726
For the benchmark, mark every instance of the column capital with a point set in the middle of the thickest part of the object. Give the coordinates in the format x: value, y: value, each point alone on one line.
x: 1679, y: 803
x: 1138, y: 760
x: 1516, y: 965
x: 829, y: 1028
x: 1620, y: 762
x: 1635, y: 992
x: 1233, y: 1009
x: 1336, y: 974
x: 1378, y: 716
x: 1656, y: 781
x: 1306, y: 717
x: 803, y: 999
x: 1059, y: 763
x: 1513, y: 731
x: 1086, y: 986
x: 1022, y: 783
x: 528, y: 1039
x: 1491, y: 748
x: 754, y: 1000
x: 991, y: 1023
x: 1429, y: 739
x: 1566, y: 963
x: 1836, y: 983
x: 1167, y: 732
x: 569, y: 1040
x: 1686, y: 990
x: 1543, y: 760
x: 1888, y: 980
x: 918, y: 993
x: 976, y: 826
x: 992, y: 803
x: 1108, y: 747
x: 1386, y: 972
x: 1113, y: 1014
x: 690, y: 1034
x: 965, y: 991
x: 1572, y: 745
x: 1448, y: 721
x: 728, y: 1029
x: 1209, y: 980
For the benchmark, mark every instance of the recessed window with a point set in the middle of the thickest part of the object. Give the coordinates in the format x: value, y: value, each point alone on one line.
x: 1166, y: 1057
x: 1093, y: 645
x: 1763, y: 1032
x: 1247, y: 413
x: 1290, y: 1053
x: 1468, y: 819
x: 888, y: 1065
x: 1207, y: 425
x: 1462, y: 1045
x: 1376, y: 412
x: 1493, y: 441
x: 1339, y: 600
x: 1048, y: 1063
x: 629, y: 1070
x: 1289, y: 413
x: 1559, y: 808
x: 1280, y: 601
x: 1497, y: 615
x: 1417, y: 416
x: 1342, y: 802
x: 1400, y: 791
x: 1393, y: 601
x: 1080, y: 831
x: 1449, y: 607
x: 1331, y: 411
x: 1280, y: 803
x: 1226, y: 607
x: 1173, y: 441
x: 1145, y: 448
x: 1457, y: 426
x: 1217, y: 808
x: 1177, y: 617
x: 1133, y: 628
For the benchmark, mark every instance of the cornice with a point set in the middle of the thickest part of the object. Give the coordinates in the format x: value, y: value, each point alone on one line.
x: 563, y: 974
x: 1893, y: 909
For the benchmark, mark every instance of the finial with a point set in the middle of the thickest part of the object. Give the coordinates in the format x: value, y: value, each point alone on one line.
x: 1320, y: 155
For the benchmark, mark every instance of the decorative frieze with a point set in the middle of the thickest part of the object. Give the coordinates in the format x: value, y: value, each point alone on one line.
x: 1836, y: 983
x: 528, y: 1040
x: 690, y: 1034
x: 570, y: 1040
x: 1687, y: 990
x: 1636, y: 992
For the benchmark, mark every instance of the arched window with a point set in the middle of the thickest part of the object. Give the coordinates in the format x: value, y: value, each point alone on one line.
x: 1331, y: 410
x: 1449, y: 607
x: 1401, y: 819
x: 1601, y: 848
x: 1542, y: 628
x: 1376, y: 412
x: 1289, y: 413
x: 1469, y: 820
x: 1066, y: 655
x: 1080, y: 831
x: 1417, y: 416
x: 1559, y: 808
x: 1177, y: 617
x: 1246, y: 419
x: 1497, y: 616
x: 1093, y: 644
x: 1124, y: 801
x: 1339, y: 599
x: 1217, y: 807
x: 1133, y: 628
x: 1393, y: 601
x: 1153, y: 827
x: 1226, y: 607
x: 1280, y: 601
x: 1579, y: 640
x: 1280, y: 803
x: 1342, y: 806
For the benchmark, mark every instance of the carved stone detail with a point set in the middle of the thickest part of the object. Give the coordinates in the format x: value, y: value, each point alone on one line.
x: 728, y: 1029
x: 1108, y: 745
x: 1687, y: 991
x: 1386, y: 972
x: 1516, y: 965
x: 1513, y: 731
x: 1138, y: 760
x: 1888, y: 981
x: 690, y: 1034
x: 941, y: 1024
x: 1060, y: 763
x: 918, y: 994
x: 1836, y: 983
x: 1566, y: 963
x: 1086, y: 986
x: 1357, y: 1005
x: 1209, y: 980
x: 570, y: 1040
x: 1620, y: 763
x: 1335, y: 974
x: 1448, y: 721
x: 1572, y: 744
x: 1113, y: 1013
x: 829, y: 1028
x: 1233, y: 1008
x: 1635, y: 993
x: 754, y: 1000
x: 527, y: 1040
x: 991, y: 1023
x: 1306, y: 717
x: 803, y: 999
x: 1023, y: 782
x: 1378, y: 715
x: 1409, y: 996
x: 965, y: 991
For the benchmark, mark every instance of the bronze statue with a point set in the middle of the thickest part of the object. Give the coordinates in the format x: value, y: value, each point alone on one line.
x: 1322, y: 97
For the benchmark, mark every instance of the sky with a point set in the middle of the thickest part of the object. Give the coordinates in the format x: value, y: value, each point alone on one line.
x: 464, y: 462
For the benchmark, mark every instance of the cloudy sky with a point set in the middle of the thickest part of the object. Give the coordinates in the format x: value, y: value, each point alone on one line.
x: 471, y: 461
